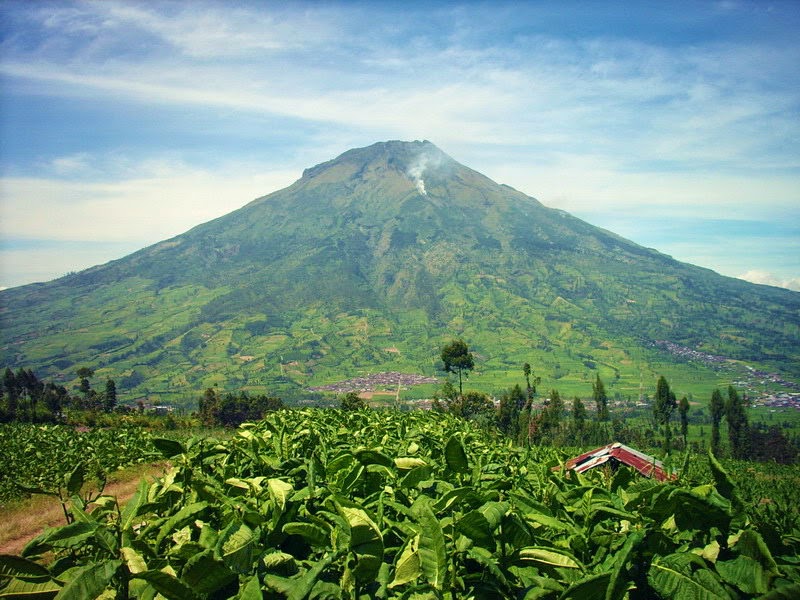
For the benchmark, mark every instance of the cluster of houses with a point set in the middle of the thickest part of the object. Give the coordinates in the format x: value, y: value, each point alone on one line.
x: 378, y: 381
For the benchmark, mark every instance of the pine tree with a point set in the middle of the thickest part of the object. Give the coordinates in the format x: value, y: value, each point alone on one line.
x: 738, y: 425
x: 717, y: 409
x: 664, y: 405
x: 683, y: 411
x: 579, y: 414
x: 110, y: 396
x: 551, y: 417
x: 600, y: 399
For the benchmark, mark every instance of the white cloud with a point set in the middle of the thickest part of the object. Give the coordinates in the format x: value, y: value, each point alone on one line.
x: 200, y: 30
x: 72, y: 164
x: 763, y: 277
x: 163, y: 201
x: 593, y: 125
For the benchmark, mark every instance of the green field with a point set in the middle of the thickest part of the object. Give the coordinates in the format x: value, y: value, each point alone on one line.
x: 379, y: 504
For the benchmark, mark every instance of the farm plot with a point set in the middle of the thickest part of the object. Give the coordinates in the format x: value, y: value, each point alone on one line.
x: 329, y: 504
x: 40, y: 458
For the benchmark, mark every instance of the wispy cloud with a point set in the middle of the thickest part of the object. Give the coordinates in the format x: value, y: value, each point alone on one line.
x: 162, y: 200
x: 765, y: 278
x: 594, y: 119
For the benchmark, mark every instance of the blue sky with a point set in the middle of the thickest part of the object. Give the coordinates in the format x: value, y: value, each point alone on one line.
x: 675, y: 124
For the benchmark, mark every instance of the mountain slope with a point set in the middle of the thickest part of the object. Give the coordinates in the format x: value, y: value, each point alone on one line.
x: 370, y: 262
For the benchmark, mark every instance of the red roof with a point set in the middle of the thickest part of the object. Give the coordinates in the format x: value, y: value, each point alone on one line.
x: 620, y: 453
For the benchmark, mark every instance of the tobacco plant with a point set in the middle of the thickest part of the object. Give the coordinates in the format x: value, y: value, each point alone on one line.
x: 331, y: 504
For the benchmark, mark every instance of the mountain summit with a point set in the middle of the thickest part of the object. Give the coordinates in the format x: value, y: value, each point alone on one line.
x: 370, y: 262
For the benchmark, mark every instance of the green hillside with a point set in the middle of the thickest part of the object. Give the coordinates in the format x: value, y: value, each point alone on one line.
x: 370, y: 262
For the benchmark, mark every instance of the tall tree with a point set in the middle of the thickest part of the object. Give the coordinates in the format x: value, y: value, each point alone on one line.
x: 55, y: 398
x: 579, y: 415
x: 531, y: 381
x: 110, y: 396
x: 512, y: 402
x: 717, y: 409
x: 208, y: 406
x: 600, y: 399
x: 683, y: 411
x: 84, y: 386
x: 11, y: 392
x: 664, y: 404
x: 552, y: 414
x: 738, y: 425
x: 458, y: 359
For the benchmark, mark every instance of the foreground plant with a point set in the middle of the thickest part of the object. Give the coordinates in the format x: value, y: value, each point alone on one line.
x: 334, y: 504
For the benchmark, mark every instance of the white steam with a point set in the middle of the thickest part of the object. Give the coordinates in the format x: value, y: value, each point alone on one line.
x: 421, y: 163
x: 416, y: 170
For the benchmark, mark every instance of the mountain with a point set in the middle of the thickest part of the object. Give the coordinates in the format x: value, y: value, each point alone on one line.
x: 371, y: 262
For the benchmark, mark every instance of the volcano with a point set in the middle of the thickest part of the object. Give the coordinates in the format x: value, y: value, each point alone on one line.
x: 371, y: 262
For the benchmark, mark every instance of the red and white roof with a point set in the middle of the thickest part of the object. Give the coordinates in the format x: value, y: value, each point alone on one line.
x: 646, y: 465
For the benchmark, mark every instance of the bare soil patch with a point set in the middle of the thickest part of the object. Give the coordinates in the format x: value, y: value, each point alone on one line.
x: 22, y: 521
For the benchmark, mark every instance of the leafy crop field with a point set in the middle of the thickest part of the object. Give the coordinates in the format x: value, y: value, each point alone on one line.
x: 331, y: 504
x: 41, y: 458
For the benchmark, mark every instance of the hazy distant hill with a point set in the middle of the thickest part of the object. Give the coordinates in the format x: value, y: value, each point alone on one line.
x: 372, y: 261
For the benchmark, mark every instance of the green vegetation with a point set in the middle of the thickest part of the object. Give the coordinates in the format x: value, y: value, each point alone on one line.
x: 231, y: 410
x: 352, y: 401
x: 368, y: 504
x: 458, y: 359
x: 351, y: 271
x: 48, y: 459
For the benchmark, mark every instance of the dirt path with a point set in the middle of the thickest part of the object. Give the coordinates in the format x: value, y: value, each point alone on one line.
x: 22, y: 521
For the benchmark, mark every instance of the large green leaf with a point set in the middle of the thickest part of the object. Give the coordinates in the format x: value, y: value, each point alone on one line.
x: 618, y: 582
x: 179, y: 519
x: 590, y: 588
x: 550, y: 556
x: 133, y: 506
x: 167, y: 585
x: 237, y: 545
x: 61, y: 537
x: 551, y: 522
x: 750, y: 543
x: 90, y: 581
x: 673, y: 577
x: 455, y: 455
x: 251, y: 590
x: 479, y: 525
x: 74, y: 480
x: 16, y: 566
x: 408, y: 566
x: 432, y: 548
x: 745, y: 573
x: 366, y: 542
x: 313, y: 534
x: 723, y: 481
x: 405, y: 463
x: 205, y: 574
x: 416, y: 476
x: 168, y: 448
x: 36, y: 589
x: 298, y: 588
x: 133, y: 560
x: 279, y: 491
